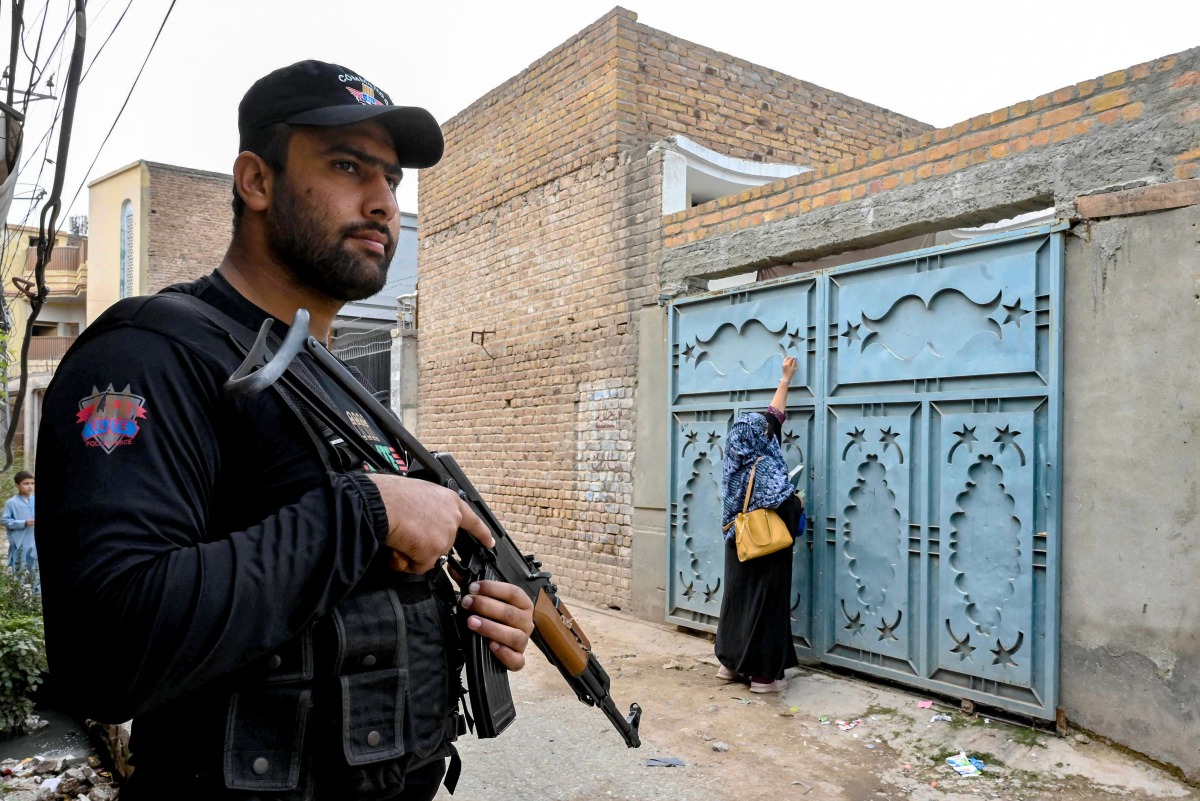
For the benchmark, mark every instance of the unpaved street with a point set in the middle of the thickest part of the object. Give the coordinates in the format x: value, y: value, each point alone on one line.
x: 777, y: 746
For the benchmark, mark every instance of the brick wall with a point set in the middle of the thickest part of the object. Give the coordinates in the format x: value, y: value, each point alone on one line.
x: 540, y: 233
x: 1063, y: 135
x: 190, y: 223
x: 618, y: 84
x: 746, y: 111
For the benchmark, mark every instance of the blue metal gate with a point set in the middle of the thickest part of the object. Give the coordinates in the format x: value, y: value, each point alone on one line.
x: 927, y: 411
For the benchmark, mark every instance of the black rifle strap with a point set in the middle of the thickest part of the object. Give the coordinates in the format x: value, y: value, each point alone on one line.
x: 323, y: 439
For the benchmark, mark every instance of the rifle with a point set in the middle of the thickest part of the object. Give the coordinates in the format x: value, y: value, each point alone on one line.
x: 556, y: 633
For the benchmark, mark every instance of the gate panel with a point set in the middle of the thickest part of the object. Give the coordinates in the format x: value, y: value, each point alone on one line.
x: 726, y: 356
x: 697, y: 555
x: 871, y: 496
x: 929, y: 424
x: 734, y: 344
x: 991, y: 555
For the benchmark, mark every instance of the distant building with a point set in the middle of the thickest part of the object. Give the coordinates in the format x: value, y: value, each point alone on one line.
x: 59, y: 321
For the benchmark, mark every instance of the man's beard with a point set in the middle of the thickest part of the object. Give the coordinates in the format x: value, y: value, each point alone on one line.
x: 302, y: 240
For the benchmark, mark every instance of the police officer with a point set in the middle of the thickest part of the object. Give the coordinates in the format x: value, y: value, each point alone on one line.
x: 276, y: 624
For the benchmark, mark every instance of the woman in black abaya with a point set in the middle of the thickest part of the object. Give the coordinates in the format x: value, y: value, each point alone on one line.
x: 754, y: 637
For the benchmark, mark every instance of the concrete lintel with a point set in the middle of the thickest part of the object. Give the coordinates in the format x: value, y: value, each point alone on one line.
x: 866, y: 223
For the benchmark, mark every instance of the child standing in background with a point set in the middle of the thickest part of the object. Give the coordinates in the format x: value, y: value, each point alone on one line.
x: 18, y: 518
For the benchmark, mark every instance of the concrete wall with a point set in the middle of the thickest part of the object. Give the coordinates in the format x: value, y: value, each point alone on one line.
x: 651, y: 468
x: 1131, y: 483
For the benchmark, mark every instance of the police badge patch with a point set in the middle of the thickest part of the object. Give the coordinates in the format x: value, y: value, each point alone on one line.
x: 110, y: 418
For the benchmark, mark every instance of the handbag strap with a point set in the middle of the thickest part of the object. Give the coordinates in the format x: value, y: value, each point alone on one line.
x: 750, y: 485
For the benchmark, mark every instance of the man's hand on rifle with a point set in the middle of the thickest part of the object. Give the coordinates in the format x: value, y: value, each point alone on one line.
x: 423, y: 519
x: 503, y: 614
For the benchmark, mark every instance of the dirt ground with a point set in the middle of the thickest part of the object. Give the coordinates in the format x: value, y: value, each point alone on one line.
x: 738, y: 745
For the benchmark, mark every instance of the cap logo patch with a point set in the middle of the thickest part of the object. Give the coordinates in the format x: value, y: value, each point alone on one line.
x: 110, y: 418
x: 366, y: 96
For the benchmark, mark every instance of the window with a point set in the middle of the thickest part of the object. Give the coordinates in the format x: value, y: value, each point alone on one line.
x: 126, y: 278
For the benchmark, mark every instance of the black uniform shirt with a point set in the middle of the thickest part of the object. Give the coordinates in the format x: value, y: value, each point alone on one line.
x: 183, y: 535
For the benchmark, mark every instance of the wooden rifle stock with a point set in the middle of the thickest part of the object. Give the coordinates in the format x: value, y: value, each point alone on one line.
x: 563, y: 638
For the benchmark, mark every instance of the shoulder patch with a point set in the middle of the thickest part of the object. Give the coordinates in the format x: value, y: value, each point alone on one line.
x: 110, y: 418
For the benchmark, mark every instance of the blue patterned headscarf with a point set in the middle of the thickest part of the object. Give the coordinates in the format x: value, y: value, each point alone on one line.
x: 750, y: 438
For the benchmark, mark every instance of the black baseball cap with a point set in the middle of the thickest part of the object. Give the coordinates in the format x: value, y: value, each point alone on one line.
x: 328, y: 95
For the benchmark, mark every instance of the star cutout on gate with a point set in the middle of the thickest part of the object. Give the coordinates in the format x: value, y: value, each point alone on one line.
x: 853, y: 624
x: 789, y: 441
x: 965, y: 437
x: 711, y: 592
x: 851, y: 334
x: 690, y: 439
x: 690, y: 353
x: 793, y: 341
x: 1004, y: 656
x: 857, y: 437
x: 714, y: 443
x: 888, y: 438
x: 1008, y: 438
x: 1014, y: 313
x: 888, y: 632
x: 962, y: 647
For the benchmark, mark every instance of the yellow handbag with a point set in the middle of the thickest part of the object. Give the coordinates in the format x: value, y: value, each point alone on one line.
x: 760, y: 532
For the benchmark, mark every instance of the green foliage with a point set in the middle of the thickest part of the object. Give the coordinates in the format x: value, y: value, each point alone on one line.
x: 16, y: 595
x: 7, y: 487
x: 22, y: 638
x: 22, y: 663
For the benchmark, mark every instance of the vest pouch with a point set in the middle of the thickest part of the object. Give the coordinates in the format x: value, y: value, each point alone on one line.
x: 372, y: 710
x: 264, y: 738
x: 373, y: 675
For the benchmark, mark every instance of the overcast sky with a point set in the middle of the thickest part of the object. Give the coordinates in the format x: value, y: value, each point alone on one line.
x: 940, y: 62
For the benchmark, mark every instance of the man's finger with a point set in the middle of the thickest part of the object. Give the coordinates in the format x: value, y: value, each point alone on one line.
x: 511, y: 659
x: 507, y: 637
x: 499, y: 611
x: 503, y: 591
x: 474, y: 526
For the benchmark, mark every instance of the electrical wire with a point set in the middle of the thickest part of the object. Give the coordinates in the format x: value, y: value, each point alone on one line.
x: 43, y: 14
x: 105, y: 42
x: 40, y: 151
x: 129, y: 94
x: 44, y: 152
x: 49, y: 219
x: 33, y: 79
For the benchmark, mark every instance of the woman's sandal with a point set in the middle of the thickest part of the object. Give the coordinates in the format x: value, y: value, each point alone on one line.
x: 725, y: 674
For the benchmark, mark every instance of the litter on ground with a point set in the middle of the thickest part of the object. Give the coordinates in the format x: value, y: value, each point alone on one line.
x: 965, y: 765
